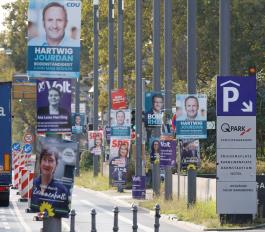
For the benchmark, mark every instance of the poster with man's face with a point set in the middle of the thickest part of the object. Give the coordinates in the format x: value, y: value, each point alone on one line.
x: 121, y: 123
x: 191, y: 116
x: 53, y: 184
x: 154, y: 104
x: 78, y: 122
x: 54, y: 105
x: 54, y: 28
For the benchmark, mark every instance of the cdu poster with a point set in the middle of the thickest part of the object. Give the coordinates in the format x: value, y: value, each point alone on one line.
x: 54, y: 105
x: 54, y: 28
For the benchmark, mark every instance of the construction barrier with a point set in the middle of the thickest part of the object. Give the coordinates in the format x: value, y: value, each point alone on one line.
x: 26, y: 184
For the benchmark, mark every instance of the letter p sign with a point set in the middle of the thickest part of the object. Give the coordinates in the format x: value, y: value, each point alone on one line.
x: 230, y: 94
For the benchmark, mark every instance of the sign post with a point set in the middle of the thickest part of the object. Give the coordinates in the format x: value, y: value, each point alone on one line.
x: 236, y: 145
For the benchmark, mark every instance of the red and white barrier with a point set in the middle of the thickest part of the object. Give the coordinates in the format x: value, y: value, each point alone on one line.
x: 26, y: 184
x: 16, y: 176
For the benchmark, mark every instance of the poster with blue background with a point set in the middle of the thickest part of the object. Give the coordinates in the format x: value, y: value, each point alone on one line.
x: 54, y: 105
x: 154, y: 104
x: 54, y: 28
x: 191, y: 118
x: 121, y: 123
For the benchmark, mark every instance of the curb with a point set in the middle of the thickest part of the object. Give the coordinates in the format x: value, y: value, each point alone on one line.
x: 236, y: 229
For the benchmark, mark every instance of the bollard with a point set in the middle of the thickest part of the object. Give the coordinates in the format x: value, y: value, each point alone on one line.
x: 45, y: 218
x: 93, y: 220
x: 72, y: 220
x: 135, y: 226
x: 116, y: 212
x: 157, y: 216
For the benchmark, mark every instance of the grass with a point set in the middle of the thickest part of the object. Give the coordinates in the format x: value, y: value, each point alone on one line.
x: 87, y: 180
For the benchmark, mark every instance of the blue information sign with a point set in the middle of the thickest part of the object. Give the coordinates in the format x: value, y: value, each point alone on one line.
x: 236, y: 96
x: 16, y: 147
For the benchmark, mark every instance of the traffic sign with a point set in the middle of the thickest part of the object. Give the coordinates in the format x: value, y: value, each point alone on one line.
x: 236, y: 96
x: 28, y: 138
x: 16, y: 147
x: 27, y: 148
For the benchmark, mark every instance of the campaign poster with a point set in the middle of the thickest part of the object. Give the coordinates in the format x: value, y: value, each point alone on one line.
x: 166, y: 126
x: 118, y: 97
x: 54, y: 105
x: 78, y: 122
x: 154, y: 148
x: 154, y: 105
x: 54, y: 28
x: 54, y: 169
x: 107, y: 134
x: 121, y: 123
x: 119, y: 148
x: 118, y: 170
x: 189, y: 153
x: 95, y: 142
x: 191, y: 121
x: 138, y: 187
x: 167, y: 148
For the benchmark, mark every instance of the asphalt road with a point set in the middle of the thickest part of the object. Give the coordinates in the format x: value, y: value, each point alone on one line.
x: 15, y: 219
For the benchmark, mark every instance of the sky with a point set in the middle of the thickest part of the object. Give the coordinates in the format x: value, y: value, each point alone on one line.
x: 3, y: 13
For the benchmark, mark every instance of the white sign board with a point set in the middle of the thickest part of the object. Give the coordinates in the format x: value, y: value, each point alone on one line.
x: 236, y: 197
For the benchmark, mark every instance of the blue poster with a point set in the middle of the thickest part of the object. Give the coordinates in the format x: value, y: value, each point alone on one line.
x: 5, y: 132
x: 191, y: 121
x: 121, y: 123
x: 54, y: 39
x: 54, y: 105
x: 138, y: 187
x: 118, y: 170
x: 78, y: 122
x: 189, y: 153
x: 154, y: 105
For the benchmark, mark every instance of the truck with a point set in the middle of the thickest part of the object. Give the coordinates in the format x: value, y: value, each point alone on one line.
x: 5, y: 142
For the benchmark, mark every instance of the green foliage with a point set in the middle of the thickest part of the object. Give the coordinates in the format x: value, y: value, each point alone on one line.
x: 86, y: 161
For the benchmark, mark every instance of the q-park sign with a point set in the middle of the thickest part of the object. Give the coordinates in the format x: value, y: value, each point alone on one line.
x: 236, y: 145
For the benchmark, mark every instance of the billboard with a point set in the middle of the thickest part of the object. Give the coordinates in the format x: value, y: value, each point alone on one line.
x: 191, y: 122
x: 5, y: 132
x: 54, y: 105
x: 154, y: 104
x: 52, y: 188
x: 54, y: 28
x: 121, y: 123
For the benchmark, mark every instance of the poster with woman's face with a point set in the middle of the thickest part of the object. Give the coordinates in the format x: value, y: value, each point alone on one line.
x: 54, y: 105
x: 119, y: 148
x: 53, y: 184
x: 94, y: 138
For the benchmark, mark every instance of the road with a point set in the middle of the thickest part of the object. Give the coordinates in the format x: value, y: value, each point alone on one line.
x: 15, y: 219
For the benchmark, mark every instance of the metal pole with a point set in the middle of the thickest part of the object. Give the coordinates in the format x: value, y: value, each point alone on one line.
x: 111, y: 53
x: 191, y: 190
x: 168, y: 81
x: 156, y: 85
x: 72, y: 220
x: 95, y: 67
x: 191, y: 75
x: 116, y: 213
x: 51, y: 224
x: 138, y: 89
x: 135, y: 226
x: 93, y: 220
x: 77, y: 110
x: 120, y: 43
x: 157, y: 217
x: 225, y: 37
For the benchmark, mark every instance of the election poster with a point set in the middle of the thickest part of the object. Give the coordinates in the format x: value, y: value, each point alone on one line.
x: 189, y: 153
x: 121, y: 123
x: 118, y: 97
x: 95, y: 142
x: 154, y: 105
x: 52, y: 186
x: 119, y: 148
x: 118, y: 170
x: 167, y: 148
x: 191, y: 121
x: 78, y: 122
x: 54, y: 105
x: 54, y: 28
x: 154, y: 148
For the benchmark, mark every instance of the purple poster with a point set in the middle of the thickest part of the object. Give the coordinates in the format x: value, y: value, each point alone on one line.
x: 138, y: 187
x: 54, y: 105
x: 167, y: 152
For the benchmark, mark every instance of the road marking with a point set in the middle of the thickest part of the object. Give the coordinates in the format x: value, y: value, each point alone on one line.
x: 20, y: 218
x: 122, y: 218
x: 6, y: 225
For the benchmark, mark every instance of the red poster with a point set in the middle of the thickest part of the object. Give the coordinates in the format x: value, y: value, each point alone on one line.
x: 118, y: 99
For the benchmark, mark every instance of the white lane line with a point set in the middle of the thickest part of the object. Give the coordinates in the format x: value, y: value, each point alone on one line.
x: 6, y: 225
x: 122, y: 218
x: 20, y: 218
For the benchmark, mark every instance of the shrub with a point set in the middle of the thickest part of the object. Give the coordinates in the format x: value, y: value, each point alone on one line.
x: 86, y: 161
